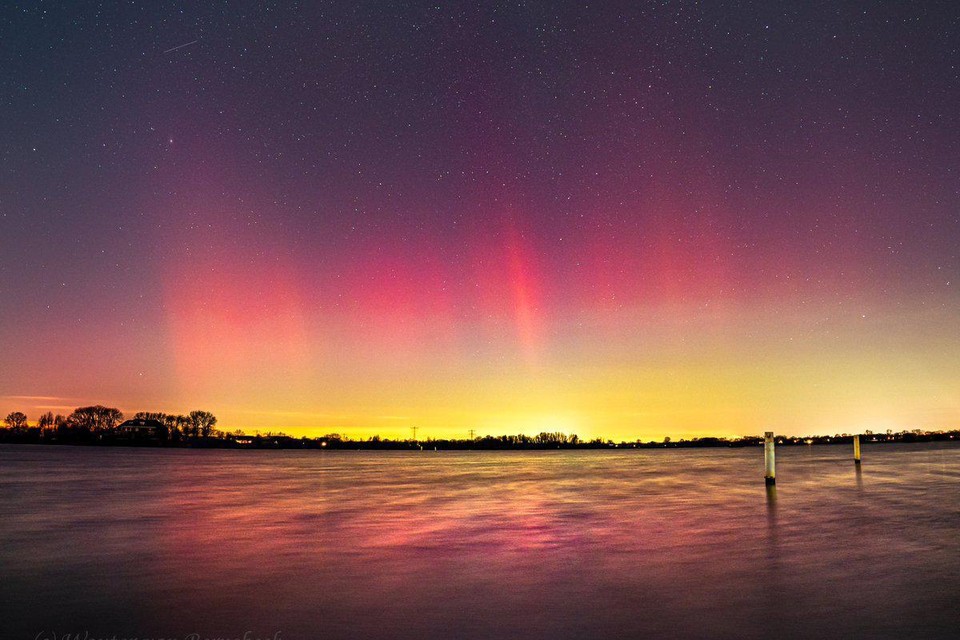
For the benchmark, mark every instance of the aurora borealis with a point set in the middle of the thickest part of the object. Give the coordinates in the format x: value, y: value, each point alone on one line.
x: 622, y: 219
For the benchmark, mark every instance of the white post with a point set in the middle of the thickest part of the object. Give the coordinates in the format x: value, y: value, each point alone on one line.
x: 770, y: 465
x: 856, y: 449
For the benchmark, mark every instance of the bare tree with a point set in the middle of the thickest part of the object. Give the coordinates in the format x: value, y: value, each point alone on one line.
x: 202, y: 423
x: 16, y: 421
x: 178, y: 425
x: 550, y: 438
x: 96, y: 418
x: 150, y: 415
x: 46, y: 422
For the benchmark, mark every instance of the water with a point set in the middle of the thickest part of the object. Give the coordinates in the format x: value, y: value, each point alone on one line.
x: 593, y: 544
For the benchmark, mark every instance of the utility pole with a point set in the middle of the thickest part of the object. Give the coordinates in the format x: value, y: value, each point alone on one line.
x: 414, y: 429
x: 473, y: 434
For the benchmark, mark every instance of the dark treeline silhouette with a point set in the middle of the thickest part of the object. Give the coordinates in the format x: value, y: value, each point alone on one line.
x: 545, y: 441
x: 105, y: 426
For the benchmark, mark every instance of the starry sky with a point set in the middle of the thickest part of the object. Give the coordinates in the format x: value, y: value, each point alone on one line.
x: 619, y: 219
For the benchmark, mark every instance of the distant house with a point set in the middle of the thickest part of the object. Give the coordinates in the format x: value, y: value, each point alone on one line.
x: 141, y: 429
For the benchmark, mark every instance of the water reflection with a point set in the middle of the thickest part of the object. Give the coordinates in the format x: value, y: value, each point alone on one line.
x: 476, y: 545
x: 773, y: 551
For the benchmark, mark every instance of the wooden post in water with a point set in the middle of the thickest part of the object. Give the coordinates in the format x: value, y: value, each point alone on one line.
x: 769, y: 462
x: 856, y: 449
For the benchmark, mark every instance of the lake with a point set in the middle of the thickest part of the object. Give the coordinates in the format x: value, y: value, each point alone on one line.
x: 165, y: 543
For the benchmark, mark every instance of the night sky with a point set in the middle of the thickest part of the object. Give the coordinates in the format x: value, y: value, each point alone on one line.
x: 620, y: 219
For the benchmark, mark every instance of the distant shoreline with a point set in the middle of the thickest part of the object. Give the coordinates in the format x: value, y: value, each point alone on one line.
x: 98, y: 425
x: 542, y: 442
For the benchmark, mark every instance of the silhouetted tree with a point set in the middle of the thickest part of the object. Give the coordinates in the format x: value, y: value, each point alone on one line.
x: 550, y: 438
x: 45, y: 423
x: 178, y: 426
x: 16, y: 421
x: 95, y: 419
x: 150, y: 415
x: 202, y: 423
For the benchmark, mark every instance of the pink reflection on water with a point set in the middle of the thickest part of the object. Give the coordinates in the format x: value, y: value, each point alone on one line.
x: 477, y: 545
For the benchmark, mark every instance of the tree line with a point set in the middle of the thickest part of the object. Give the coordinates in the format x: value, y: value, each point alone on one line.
x: 98, y: 423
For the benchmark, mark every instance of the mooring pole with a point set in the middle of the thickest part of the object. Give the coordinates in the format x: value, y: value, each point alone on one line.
x: 856, y: 449
x: 770, y: 465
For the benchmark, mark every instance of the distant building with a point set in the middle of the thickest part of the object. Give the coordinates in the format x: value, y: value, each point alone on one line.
x: 141, y: 429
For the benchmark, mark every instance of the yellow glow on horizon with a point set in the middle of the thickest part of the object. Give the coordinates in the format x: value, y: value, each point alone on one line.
x: 679, y: 375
